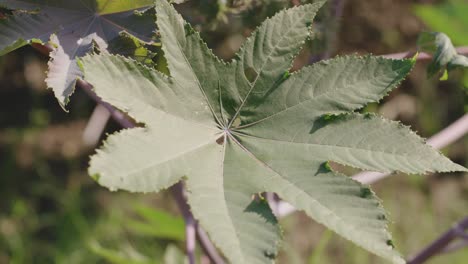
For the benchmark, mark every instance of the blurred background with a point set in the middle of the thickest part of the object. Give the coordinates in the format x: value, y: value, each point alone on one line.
x: 52, y: 212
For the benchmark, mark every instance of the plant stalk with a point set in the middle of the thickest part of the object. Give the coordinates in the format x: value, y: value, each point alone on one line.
x: 457, y: 231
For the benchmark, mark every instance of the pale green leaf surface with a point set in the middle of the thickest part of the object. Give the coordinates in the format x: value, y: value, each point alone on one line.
x: 334, y: 86
x: 268, y: 54
x: 366, y: 142
x: 334, y: 200
x: 231, y: 135
x: 199, y: 156
x: 71, y: 27
x: 244, y: 229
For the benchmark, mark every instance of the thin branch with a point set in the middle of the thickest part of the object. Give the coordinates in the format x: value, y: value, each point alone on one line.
x: 118, y: 116
x: 455, y: 246
x: 190, y: 223
x: 422, y: 55
x: 190, y: 238
x: 205, y: 243
x: 208, y: 247
x: 442, y: 139
x: 96, y: 125
x: 440, y: 244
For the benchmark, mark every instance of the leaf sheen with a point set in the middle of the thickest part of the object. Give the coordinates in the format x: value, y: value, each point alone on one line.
x: 232, y: 130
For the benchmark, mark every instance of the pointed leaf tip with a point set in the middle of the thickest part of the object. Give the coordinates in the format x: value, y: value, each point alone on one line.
x: 233, y: 130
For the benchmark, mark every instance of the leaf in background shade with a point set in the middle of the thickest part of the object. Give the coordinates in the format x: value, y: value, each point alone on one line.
x: 174, y: 255
x: 71, y: 27
x: 157, y: 224
x: 124, y: 255
x: 445, y: 56
x: 234, y: 130
x: 130, y: 46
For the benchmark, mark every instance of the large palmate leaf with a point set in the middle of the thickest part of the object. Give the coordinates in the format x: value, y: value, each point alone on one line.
x: 72, y: 27
x: 233, y: 130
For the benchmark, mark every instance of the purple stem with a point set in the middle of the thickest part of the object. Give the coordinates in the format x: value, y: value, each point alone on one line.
x: 190, y: 238
x: 208, y: 247
x: 441, y: 243
x: 455, y: 246
x: 192, y: 227
x: 118, y: 116
x: 96, y: 125
x: 422, y: 55
x: 190, y: 223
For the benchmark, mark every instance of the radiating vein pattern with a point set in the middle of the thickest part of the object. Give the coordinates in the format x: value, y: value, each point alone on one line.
x: 233, y: 130
x: 335, y: 86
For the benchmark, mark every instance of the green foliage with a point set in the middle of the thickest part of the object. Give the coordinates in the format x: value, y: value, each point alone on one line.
x: 449, y: 18
x: 173, y: 255
x: 72, y: 28
x: 319, y: 252
x: 233, y: 130
x: 157, y: 224
x: 445, y: 56
x: 119, y: 257
x: 148, y: 225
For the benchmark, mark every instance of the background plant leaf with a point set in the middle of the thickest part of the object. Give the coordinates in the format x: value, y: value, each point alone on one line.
x: 174, y: 255
x: 157, y: 223
x: 122, y: 256
x: 71, y: 27
x: 445, y: 56
x: 132, y: 47
x: 234, y: 130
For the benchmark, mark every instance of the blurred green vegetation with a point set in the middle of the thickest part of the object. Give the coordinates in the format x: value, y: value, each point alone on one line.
x: 450, y: 18
x: 52, y: 212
